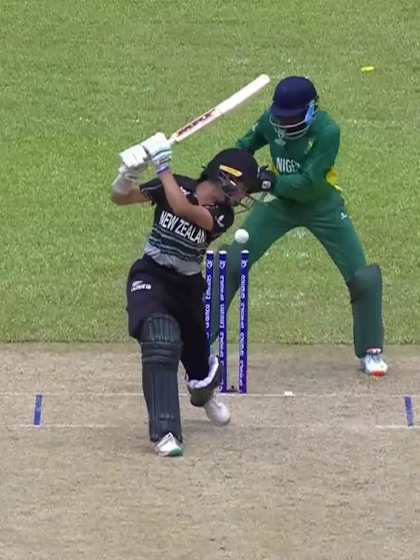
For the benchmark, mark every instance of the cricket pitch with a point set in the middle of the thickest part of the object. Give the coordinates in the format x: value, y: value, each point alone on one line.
x: 329, y: 472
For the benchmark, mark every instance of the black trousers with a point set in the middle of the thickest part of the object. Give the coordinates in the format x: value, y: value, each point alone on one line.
x: 152, y: 288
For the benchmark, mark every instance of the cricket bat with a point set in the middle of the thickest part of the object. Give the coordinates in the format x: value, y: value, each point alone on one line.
x: 212, y: 115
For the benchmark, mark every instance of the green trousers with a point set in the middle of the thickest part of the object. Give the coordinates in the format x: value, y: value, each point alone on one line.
x: 329, y: 222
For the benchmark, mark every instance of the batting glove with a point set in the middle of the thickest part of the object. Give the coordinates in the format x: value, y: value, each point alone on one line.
x: 132, y: 173
x: 266, y: 179
x: 134, y: 157
x: 159, y: 150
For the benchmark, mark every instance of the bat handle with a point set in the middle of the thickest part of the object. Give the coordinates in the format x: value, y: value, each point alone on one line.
x: 173, y: 139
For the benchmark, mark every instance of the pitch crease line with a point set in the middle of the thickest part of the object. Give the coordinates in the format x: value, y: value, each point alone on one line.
x: 323, y: 427
x: 247, y: 396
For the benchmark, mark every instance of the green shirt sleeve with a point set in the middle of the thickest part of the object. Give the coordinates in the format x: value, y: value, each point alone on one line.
x: 254, y: 139
x: 310, y: 182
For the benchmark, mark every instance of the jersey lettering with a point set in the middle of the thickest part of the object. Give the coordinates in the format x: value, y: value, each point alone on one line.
x: 288, y: 166
x: 181, y: 227
x: 190, y: 231
x: 168, y: 220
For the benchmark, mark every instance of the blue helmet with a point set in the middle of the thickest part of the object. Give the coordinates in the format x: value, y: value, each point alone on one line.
x: 294, y: 107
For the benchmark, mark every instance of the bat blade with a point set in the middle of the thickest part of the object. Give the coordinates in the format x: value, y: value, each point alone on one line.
x: 206, y: 119
x: 220, y: 110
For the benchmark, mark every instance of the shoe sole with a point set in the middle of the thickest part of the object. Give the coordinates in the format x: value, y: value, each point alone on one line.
x: 375, y: 374
x: 219, y: 424
x: 176, y: 453
x: 173, y: 453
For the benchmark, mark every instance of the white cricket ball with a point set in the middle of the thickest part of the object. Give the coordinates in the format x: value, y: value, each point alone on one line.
x: 241, y: 236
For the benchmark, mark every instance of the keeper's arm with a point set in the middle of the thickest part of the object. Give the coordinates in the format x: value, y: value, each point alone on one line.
x: 254, y: 139
x: 301, y: 186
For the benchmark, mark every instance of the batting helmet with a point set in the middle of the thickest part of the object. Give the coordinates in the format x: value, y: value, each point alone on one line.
x: 235, y: 169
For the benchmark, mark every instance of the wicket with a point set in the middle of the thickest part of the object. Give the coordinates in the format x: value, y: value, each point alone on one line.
x: 243, y: 316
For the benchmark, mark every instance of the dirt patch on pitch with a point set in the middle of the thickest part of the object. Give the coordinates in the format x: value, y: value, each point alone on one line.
x: 329, y: 472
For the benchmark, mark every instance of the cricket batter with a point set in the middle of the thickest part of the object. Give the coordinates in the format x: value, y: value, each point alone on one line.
x: 304, y: 143
x: 165, y: 287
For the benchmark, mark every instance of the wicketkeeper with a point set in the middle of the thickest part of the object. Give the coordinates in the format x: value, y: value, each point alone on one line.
x: 304, y: 143
x: 165, y: 287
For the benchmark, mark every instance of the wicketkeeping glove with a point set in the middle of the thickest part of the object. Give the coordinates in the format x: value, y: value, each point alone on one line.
x: 266, y: 179
x: 159, y: 150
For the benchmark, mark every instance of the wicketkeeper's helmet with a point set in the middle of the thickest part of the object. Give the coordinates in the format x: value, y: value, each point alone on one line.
x: 295, y: 103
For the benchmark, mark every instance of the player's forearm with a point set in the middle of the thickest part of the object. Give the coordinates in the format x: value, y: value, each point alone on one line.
x: 252, y: 141
x: 303, y: 186
x: 181, y: 206
x: 249, y: 143
x: 176, y: 198
x: 311, y: 181
x: 297, y: 187
x: 126, y: 192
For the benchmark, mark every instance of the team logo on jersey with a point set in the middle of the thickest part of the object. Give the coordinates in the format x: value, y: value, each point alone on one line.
x: 220, y: 219
x: 308, y: 148
x: 140, y: 285
x: 281, y: 137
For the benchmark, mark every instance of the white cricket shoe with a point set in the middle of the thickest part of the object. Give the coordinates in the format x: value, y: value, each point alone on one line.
x: 217, y: 412
x: 169, y: 446
x: 373, y: 363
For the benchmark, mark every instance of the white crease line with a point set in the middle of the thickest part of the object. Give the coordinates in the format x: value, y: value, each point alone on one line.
x: 322, y: 427
x: 396, y: 427
x: 229, y: 395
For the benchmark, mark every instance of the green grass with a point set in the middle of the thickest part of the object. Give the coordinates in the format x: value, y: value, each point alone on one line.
x: 82, y: 80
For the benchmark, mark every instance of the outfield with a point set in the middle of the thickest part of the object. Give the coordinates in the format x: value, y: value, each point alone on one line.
x: 81, y: 81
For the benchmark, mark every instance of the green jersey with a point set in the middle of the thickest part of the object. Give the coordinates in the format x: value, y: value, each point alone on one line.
x: 305, y: 166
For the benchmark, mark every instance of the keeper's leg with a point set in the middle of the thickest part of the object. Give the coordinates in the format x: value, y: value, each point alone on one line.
x: 365, y: 290
x: 337, y: 234
x: 160, y: 341
x: 266, y: 223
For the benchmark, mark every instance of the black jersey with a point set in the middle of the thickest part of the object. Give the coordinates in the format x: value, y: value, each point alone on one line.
x: 175, y: 242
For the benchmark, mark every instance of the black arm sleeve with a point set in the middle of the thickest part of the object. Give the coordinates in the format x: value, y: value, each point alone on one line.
x: 154, y: 190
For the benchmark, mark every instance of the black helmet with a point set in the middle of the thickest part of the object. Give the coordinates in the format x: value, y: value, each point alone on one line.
x: 294, y: 106
x: 231, y: 168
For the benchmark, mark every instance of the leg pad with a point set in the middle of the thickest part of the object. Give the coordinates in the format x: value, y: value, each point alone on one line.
x: 160, y: 341
x: 365, y: 290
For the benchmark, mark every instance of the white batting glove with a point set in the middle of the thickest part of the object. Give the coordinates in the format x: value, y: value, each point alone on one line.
x: 131, y: 173
x: 134, y: 157
x: 159, y: 150
x: 127, y: 176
